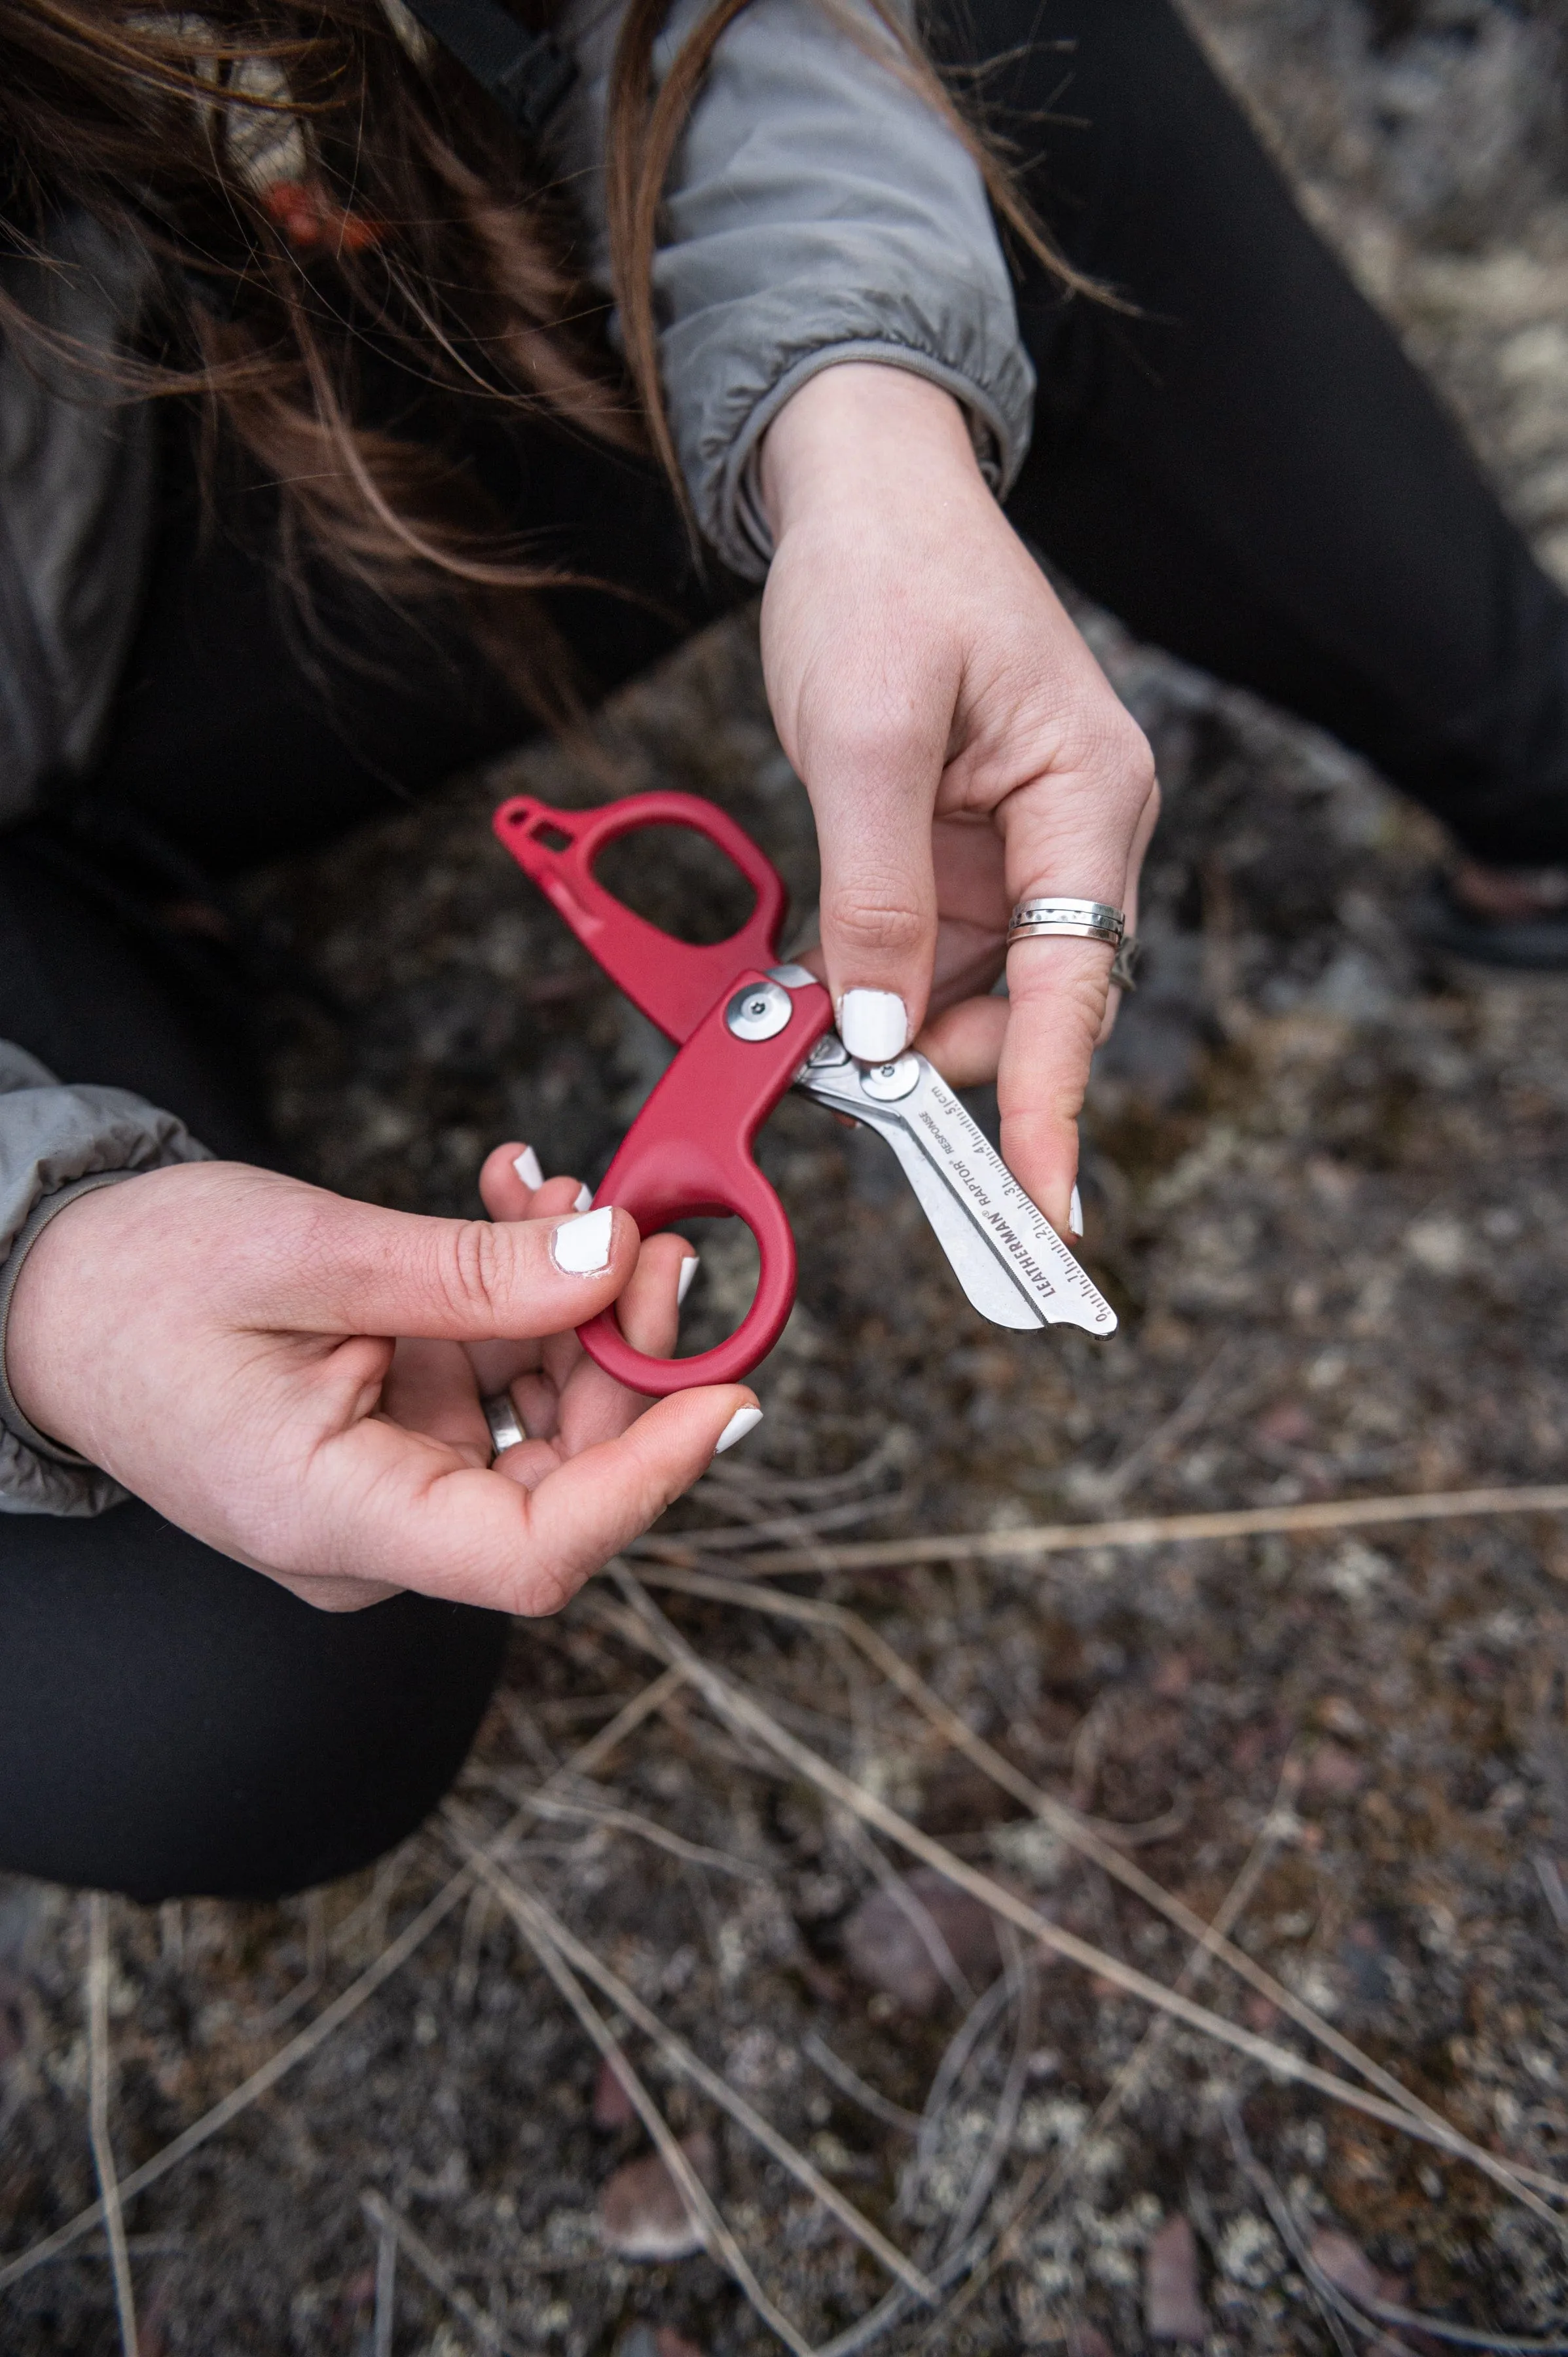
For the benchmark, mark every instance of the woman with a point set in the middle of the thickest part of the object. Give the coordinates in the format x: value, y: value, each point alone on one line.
x: 331, y: 228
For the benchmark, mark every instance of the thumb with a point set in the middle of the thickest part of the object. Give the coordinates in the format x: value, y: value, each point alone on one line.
x: 340, y: 1267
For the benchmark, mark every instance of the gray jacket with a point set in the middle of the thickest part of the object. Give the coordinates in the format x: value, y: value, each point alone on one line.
x: 817, y: 212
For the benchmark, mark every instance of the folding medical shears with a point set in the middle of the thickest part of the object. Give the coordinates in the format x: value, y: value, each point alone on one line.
x: 746, y: 1028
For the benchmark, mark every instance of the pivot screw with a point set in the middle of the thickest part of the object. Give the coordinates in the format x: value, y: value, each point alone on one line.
x: 760, y: 1011
x: 886, y: 1083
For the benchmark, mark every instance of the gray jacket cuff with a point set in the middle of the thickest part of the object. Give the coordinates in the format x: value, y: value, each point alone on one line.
x: 57, y: 1142
x: 817, y: 212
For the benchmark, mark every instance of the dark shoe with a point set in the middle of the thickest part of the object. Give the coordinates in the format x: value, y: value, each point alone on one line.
x: 1536, y: 944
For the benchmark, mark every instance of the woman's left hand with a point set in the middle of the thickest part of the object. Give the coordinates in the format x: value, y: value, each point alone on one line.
x: 564, y: 1402
x: 962, y: 750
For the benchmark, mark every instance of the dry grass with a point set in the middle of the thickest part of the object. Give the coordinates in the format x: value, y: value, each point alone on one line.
x: 961, y: 2247
x: 1272, y: 1823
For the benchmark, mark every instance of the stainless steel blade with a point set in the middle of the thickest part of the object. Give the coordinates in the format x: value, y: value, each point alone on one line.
x: 1006, y: 1253
x: 992, y: 1288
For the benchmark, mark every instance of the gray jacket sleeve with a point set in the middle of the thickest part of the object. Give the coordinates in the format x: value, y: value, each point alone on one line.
x: 57, y: 1142
x: 76, y: 493
x: 817, y: 212
x: 76, y: 496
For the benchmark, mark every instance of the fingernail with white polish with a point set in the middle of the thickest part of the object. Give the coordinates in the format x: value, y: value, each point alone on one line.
x: 526, y: 1165
x: 873, y: 1024
x: 581, y: 1247
x: 583, y: 1198
x: 1075, y: 1213
x: 744, y: 1420
x: 683, y: 1282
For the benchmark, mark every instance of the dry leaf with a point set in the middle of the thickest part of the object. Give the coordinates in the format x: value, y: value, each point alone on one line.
x: 890, y: 1948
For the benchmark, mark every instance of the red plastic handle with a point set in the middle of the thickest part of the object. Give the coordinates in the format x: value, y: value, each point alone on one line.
x: 677, y: 1162
x: 689, y: 1153
x: 674, y: 982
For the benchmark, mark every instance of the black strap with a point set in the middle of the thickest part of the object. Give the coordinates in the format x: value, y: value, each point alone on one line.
x: 524, y: 72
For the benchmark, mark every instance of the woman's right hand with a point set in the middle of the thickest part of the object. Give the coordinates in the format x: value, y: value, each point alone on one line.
x: 223, y: 1340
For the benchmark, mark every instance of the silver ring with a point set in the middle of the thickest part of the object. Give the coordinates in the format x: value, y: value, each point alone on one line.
x: 506, y: 1430
x: 1083, y: 921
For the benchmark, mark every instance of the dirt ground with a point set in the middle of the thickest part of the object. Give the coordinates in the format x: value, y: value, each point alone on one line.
x: 1323, y: 1189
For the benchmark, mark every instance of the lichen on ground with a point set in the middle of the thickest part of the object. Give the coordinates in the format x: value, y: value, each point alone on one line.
x: 1323, y: 1183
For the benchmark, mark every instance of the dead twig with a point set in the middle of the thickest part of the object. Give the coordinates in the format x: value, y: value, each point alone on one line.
x: 315, y: 2034
x: 371, y: 1915
x: 539, y: 1928
x: 1105, y: 1488
x: 971, y: 2032
x: 466, y: 1979
x: 1022, y: 1989
x: 626, y: 1821
x: 386, y: 2287
x: 395, y: 2229
x: 850, y: 2083
x: 1034, y: 2198
x: 645, y: 1623
x: 315, y: 1972
x: 1144, y: 1531
x: 1372, y: 2315
x: 729, y: 1538
x: 892, y: 1454
x: 531, y: 1914
x: 1550, y: 1876
x: 98, y: 2118
x: 960, y: 2245
x: 1080, y: 1834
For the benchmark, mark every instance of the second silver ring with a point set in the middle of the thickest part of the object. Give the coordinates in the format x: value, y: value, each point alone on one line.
x: 506, y: 1425
x: 1083, y: 921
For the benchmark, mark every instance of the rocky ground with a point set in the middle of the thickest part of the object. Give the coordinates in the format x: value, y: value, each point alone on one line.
x: 1324, y: 1189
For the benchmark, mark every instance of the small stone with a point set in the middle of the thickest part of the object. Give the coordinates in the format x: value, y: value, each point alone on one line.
x: 642, y: 2213
x: 1334, y: 1771
x: 1439, y: 1243
x: 1345, y: 2264
x: 1287, y: 1424
x: 1085, y: 2340
x: 668, y: 2342
x: 887, y: 1946
x: 1341, y: 1716
x: 613, y: 2107
x: 1172, y: 2308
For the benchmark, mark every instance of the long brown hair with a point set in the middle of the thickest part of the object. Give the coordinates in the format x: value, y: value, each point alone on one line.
x: 341, y: 232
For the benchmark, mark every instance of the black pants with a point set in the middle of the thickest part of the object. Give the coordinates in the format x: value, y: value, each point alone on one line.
x: 1249, y: 472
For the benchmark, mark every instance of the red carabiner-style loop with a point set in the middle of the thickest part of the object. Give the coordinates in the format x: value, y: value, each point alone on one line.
x: 674, y: 982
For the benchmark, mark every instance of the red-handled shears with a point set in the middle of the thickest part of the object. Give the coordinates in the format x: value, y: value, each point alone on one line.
x: 748, y: 1027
